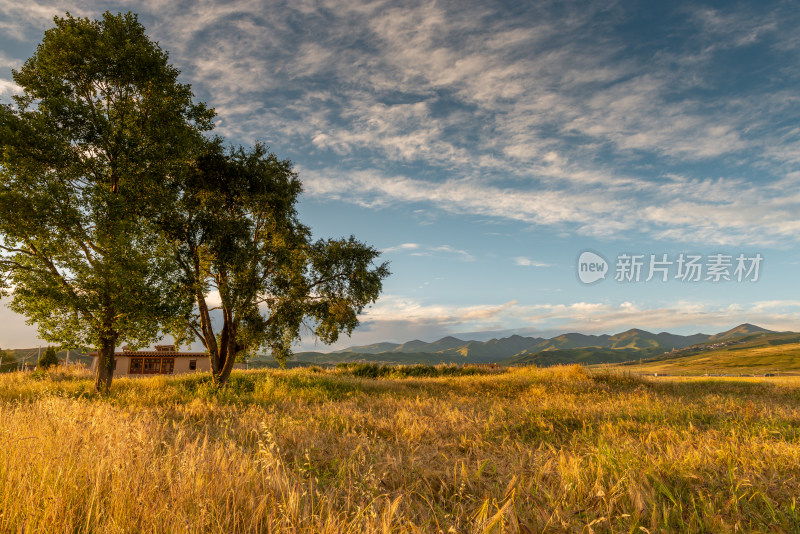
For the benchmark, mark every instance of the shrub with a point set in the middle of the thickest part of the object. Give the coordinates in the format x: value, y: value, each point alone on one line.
x: 48, y: 359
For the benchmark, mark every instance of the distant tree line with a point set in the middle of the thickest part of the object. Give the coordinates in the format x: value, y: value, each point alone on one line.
x: 8, y: 362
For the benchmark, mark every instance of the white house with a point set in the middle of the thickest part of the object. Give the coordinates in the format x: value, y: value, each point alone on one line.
x: 165, y: 360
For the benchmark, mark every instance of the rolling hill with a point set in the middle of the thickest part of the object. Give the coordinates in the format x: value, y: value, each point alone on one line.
x: 375, y: 348
x: 760, y: 352
x: 584, y: 356
x: 745, y: 329
x: 494, y: 350
x: 572, y: 340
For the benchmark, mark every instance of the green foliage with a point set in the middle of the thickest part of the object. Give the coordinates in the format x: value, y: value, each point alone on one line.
x: 375, y: 370
x: 8, y: 362
x: 236, y: 231
x: 48, y: 359
x: 90, y: 152
x: 38, y: 374
x: 584, y: 356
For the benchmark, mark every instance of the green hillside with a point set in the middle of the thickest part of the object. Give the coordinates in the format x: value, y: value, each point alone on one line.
x: 742, y: 330
x: 494, y: 350
x: 757, y: 353
x: 444, y: 344
x: 584, y: 356
x: 375, y: 348
x: 572, y: 340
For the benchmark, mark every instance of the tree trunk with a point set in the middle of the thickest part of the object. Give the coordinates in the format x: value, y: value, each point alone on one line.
x: 105, y: 365
x: 229, y: 349
x: 233, y: 351
x: 206, y: 328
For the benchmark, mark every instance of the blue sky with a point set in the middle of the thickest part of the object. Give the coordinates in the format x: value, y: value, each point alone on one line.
x: 484, y: 145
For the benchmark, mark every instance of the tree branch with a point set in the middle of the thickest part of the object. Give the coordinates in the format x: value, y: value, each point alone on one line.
x: 57, y: 274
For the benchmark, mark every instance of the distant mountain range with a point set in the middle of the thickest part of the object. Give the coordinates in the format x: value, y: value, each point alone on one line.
x: 630, y: 345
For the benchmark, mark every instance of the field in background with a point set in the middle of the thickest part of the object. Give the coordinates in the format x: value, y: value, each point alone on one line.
x: 355, y: 450
x: 755, y: 357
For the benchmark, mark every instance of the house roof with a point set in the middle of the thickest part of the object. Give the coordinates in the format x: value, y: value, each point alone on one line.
x: 157, y: 353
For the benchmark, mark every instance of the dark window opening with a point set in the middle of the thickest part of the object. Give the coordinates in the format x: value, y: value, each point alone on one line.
x: 167, y: 365
x: 192, y: 365
x: 151, y: 366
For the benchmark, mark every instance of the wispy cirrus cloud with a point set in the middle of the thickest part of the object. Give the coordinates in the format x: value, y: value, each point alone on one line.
x: 401, y: 247
x: 415, y: 249
x: 556, y: 107
x: 572, y: 123
x: 724, y: 212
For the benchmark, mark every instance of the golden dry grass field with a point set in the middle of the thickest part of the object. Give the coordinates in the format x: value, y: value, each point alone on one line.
x: 524, y: 450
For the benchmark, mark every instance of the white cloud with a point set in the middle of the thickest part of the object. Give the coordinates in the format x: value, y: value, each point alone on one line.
x: 401, y: 247
x: 415, y: 249
x: 8, y: 62
x: 719, y: 212
x: 23, y: 19
x: 8, y: 88
x: 601, y: 317
x: 522, y: 261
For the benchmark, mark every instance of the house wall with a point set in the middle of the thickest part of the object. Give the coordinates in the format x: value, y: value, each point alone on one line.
x: 123, y: 363
x: 182, y: 365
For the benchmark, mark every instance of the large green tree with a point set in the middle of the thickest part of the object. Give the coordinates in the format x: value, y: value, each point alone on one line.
x: 255, y: 274
x: 91, y: 153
